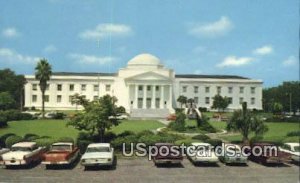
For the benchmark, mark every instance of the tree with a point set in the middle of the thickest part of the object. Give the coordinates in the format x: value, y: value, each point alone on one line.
x: 220, y: 103
x: 14, y: 85
x: 246, y: 122
x: 277, y: 108
x: 182, y: 100
x: 78, y: 100
x: 179, y: 123
x: 43, y: 72
x: 96, y: 117
x: 6, y: 101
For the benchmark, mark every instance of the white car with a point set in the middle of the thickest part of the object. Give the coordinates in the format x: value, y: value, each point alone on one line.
x: 2, y: 151
x: 293, y: 149
x: 232, y: 153
x: 23, y: 153
x: 202, y: 153
x: 98, y: 154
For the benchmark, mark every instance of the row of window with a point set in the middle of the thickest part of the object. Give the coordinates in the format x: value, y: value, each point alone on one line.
x: 72, y: 87
x: 140, y: 87
x: 58, y: 98
x: 219, y: 89
x: 241, y: 100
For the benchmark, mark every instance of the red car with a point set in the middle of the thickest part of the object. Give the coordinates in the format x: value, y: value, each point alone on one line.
x: 61, y: 153
x: 167, y: 158
x: 268, y: 156
x: 171, y: 117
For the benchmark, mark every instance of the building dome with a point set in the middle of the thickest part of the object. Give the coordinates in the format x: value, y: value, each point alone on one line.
x: 144, y: 59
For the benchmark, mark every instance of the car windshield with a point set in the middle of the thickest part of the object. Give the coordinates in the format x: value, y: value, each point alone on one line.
x: 97, y: 149
x: 20, y: 148
x: 203, y: 147
x: 61, y: 148
x: 297, y: 148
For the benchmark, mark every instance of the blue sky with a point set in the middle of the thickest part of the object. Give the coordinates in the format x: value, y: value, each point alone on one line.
x: 257, y: 38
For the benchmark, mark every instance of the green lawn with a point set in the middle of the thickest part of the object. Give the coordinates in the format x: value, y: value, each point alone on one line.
x: 57, y: 128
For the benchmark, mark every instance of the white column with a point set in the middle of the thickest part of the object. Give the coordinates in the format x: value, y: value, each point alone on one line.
x: 135, y: 101
x: 170, y: 96
x: 162, y: 99
x: 144, y: 96
x: 153, y: 97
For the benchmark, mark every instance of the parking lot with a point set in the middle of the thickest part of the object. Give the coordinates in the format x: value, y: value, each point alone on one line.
x: 141, y: 170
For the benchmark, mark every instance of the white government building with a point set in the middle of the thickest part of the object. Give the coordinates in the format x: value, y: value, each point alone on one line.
x: 145, y: 88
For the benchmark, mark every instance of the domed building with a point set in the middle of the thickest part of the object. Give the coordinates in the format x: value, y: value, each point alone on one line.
x: 145, y: 88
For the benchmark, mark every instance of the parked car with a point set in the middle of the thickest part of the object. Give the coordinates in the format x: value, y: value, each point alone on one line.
x: 23, y: 153
x: 170, y: 158
x: 267, y: 156
x: 2, y: 151
x: 98, y: 154
x: 235, y: 158
x: 292, y: 150
x: 204, y: 153
x: 61, y: 153
x: 171, y: 117
x: 119, y: 116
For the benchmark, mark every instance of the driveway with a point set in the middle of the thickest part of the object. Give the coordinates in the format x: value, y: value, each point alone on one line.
x: 141, y: 170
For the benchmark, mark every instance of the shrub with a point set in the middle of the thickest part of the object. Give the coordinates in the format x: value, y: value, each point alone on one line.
x: 82, y: 145
x: 201, y: 137
x: 208, y: 128
x: 179, y: 123
x: 179, y: 110
x: 33, y: 108
x: 293, y: 133
x: 145, y: 133
x: 11, y: 140
x: 3, y: 120
x: 202, y: 109
x: 214, y: 142
x: 59, y: 115
x: 126, y: 133
x: 109, y: 136
x: 45, y: 142
x: 150, y: 139
x: 30, y: 137
x: 4, y: 137
x: 186, y: 142
x: 117, y: 143
x: 66, y: 139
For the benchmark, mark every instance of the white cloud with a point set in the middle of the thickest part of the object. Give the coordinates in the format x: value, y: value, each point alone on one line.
x: 10, y: 32
x: 265, y: 50
x: 50, y: 49
x: 233, y: 61
x: 213, y: 29
x: 91, y: 59
x: 106, y: 30
x: 291, y: 61
x: 12, y: 57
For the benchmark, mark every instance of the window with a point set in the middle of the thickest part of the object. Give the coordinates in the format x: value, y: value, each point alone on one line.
x: 184, y: 89
x: 148, y: 88
x: 207, y: 100
x: 241, y: 100
x: 59, y: 87
x: 58, y: 98
x: 83, y: 87
x: 47, y: 87
x: 34, y: 98
x: 230, y: 100
x: 196, y: 100
x: 107, y: 87
x: 71, y: 99
x: 96, y: 87
x: 230, y: 89
x: 34, y: 87
x: 95, y: 97
x: 241, y: 89
x: 252, y: 100
x: 196, y: 88
x: 71, y: 87
x: 219, y: 89
x: 252, y: 90
x: 207, y: 89
x: 140, y: 88
x: 156, y: 88
x: 46, y: 98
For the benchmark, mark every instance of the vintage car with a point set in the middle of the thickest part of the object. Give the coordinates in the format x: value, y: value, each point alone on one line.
x: 2, y: 151
x: 23, y: 153
x: 270, y: 153
x: 232, y: 154
x: 61, y: 153
x: 166, y: 158
x: 292, y: 150
x: 200, y: 152
x: 98, y: 154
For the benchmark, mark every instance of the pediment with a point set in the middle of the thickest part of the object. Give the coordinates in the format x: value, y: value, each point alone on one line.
x: 148, y: 76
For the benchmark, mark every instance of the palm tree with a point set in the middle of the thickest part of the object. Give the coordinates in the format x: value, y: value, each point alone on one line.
x: 245, y: 122
x: 182, y: 100
x: 43, y: 72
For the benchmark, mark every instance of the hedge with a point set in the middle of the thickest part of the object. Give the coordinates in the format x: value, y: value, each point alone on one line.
x: 11, y: 140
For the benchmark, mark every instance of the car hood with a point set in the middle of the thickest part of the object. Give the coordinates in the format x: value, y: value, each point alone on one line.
x: 97, y: 155
x: 2, y: 151
x: 15, y: 155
